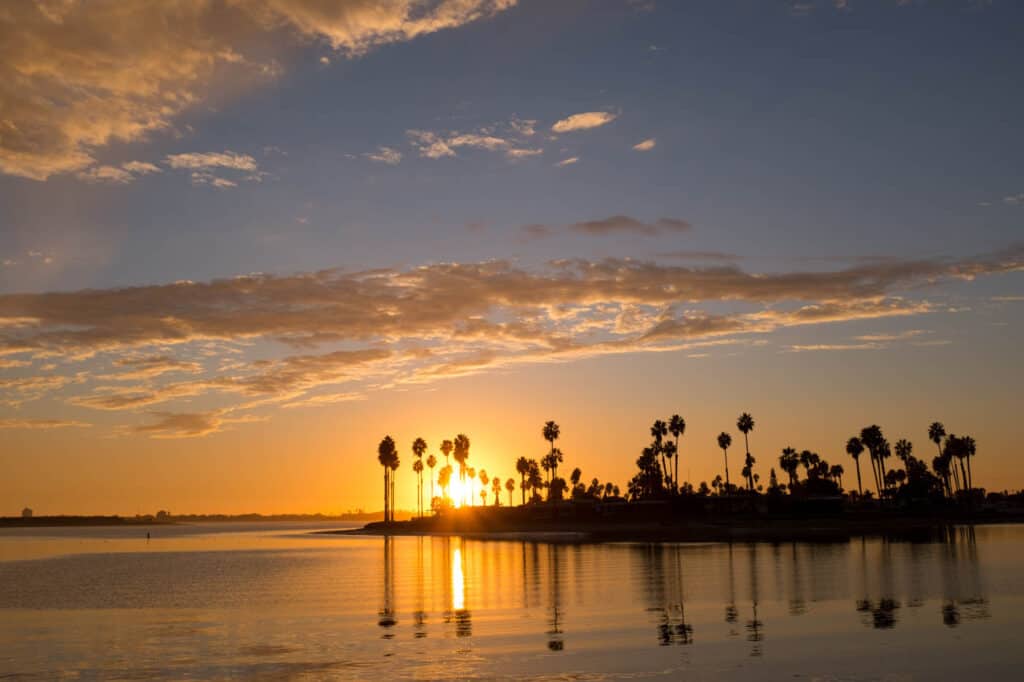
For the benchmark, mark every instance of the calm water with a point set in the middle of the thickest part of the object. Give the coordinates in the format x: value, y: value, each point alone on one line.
x: 274, y: 602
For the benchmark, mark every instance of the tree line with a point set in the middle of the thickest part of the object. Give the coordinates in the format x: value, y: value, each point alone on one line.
x: 657, y: 474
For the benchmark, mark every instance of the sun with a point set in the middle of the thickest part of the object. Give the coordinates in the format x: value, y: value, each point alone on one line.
x: 457, y: 490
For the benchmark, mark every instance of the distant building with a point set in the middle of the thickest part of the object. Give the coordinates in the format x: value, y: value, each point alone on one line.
x: 26, y: 513
x: 163, y: 515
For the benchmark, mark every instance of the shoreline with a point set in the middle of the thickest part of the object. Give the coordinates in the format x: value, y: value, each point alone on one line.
x: 734, y: 530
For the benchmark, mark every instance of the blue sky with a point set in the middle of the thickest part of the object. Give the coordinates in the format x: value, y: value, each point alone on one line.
x: 783, y: 138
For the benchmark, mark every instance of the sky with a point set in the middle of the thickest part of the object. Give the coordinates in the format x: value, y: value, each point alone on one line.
x: 240, y: 242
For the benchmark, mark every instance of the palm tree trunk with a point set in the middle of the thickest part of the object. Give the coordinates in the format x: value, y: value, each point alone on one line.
x: 964, y: 472
x: 386, y: 488
x: 860, y: 488
x: 675, y: 476
x: 522, y: 487
x: 970, y: 476
x: 725, y: 454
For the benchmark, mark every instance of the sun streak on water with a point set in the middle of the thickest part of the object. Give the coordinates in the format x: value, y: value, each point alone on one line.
x: 458, y: 580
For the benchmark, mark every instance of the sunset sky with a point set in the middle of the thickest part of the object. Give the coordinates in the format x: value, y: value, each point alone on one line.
x: 240, y: 242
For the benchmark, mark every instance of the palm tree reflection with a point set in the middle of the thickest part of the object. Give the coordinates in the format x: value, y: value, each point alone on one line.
x: 463, y: 622
x: 386, y: 615
x: 555, y: 640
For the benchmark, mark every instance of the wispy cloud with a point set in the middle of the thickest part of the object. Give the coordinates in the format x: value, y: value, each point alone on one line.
x: 568, y: 162
x: 583, y: 121
x: 41, y: 424
x: 336, y: 332
x: 387, y: 155
x: 619, y: 224
x: 686, y: 254
x: 208, y: 160
x: 645, y: 146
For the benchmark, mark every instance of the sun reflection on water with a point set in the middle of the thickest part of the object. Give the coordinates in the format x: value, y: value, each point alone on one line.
x: 458, y: 579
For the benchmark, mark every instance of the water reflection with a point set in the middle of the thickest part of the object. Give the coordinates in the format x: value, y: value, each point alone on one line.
x: 884, y: 580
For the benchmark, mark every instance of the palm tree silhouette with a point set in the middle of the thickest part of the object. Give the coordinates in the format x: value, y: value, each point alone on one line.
x: 461, y: 449
x: 837, y: 472
x: 677, y: 427
x: 444, y: 478
x: 903, y: 450
x: 484, y: 480
x: 745, y: 423
x: 668, y: 449
x: 970, y: 447
x: 386, y: 452
x: 724, y: 441
x: 446, y: 449
x: 394, y: 468
x: 788, y: 462
x: 854, y: 448
x: 419, y: 446
x: 417, y: 468
x: 872, y: 439
x: 510, y: 486
x: 471, y: 475
x: 748, y: 471
x: 659, y: 430
x: 431, y: 462
x: 936, y: 432
x: 523, y: 468
x: 551, y: 431
x: 496, y: 487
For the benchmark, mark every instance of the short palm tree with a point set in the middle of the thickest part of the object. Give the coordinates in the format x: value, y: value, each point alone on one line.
x: 471, y: 475
x: 904, y: 448
x: 659, y: 430
x: 446, y: 449
x: 510, y: 486
x: 724, y: 441
x: 496, y: 487
x: 836, y: 472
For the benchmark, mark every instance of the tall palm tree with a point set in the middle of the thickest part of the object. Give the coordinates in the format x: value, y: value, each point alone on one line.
x: 745, y: 423
x: 872, y: 439
x: 431, y: 462
x: 668, y: 450
x: 523, y: 468
x: 417, y: 468
x: 419, y: 446
x: 970, y: 447
x: 936, y: 432
x: 385, y: 453
x: 446, y: 449
x: 461, y: 454
x: 854, y: 448
x: 659, y: 430
x: 394, y: 469
x: 551, y: 432
x: 724, y: 441
x: 510, y: 486
x: 677, y: 427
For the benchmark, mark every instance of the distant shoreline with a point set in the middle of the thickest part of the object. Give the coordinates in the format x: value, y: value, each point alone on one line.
x: 63, y: 521
x: 488, y: 525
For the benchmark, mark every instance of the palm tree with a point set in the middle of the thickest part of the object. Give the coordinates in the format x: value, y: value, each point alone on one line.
x: 970, y: 447
x: 745, y: 423
x: 551, y: 431
x: 748, y: 467
x: 788, y: 462
x: 484, y: 480
x: 446, y: 448
x: 419, y: 446
x: 837, y: 472
x: 872, y: 439
x: 471, y: 475
x: 394, y: 468
x: 444, y: 478
x: 659, y: 430
x: 724, y: 441
x: 533, y: 479
x: 431, y: 462
x: 523, y: 468
x: 669, y: 451
x: 461, y: 448
x: 854, y: 448
x: 510, y: 486
x: 417, y: 468
x: 386, y: 452
x: 936, y: 432
x: 677, y: 427
x: 496, y: 487
x: 903, y: 449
